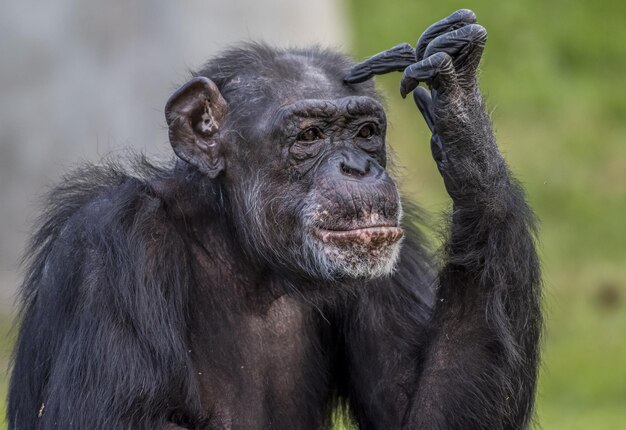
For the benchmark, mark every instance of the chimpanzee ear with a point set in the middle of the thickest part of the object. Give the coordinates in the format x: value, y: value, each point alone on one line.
x: 194, y: 114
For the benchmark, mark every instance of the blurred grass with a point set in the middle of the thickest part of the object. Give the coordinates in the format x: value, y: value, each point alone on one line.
x: 6, y: 343
x: 554, y: 76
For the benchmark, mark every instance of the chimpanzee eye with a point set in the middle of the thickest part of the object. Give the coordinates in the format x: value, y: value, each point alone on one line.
x: 367, y: 131
x: 311, y: 134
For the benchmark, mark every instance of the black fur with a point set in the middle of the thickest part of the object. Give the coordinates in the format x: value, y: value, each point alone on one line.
x: 142, y: 300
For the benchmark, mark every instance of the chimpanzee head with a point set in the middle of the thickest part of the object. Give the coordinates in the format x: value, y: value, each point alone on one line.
x: 300, y: 156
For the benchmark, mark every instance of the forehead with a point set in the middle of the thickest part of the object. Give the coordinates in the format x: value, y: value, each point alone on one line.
x: 305, y: 87
x: 298, y: 77
x: 257, y: 81
x: 351, y: 106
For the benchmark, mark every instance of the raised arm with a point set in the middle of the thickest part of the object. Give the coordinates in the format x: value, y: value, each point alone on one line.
x: 480, y: 364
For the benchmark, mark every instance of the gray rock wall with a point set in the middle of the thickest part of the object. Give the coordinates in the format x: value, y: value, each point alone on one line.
x: 80, y: 80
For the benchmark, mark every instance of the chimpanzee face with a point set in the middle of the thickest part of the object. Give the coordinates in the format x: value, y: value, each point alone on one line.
x: 305, y: 177
x: 332, y: 173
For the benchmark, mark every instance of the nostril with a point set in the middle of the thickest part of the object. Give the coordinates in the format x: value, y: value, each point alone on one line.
x: 352, y: 170
x: 345, y: 169
x: 361, y: 168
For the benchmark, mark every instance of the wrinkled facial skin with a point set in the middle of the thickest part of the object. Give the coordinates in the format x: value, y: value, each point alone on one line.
x: 322, y: 202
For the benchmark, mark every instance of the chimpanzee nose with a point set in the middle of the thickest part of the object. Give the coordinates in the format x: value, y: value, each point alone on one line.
x: 357, y: 166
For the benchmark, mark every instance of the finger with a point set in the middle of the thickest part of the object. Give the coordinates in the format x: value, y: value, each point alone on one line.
x: 464, y: 45
x: 424, y: 103
x: 458, y: 19
x: 436, y: 148
x: 395, y: 59
x: 438, y: 65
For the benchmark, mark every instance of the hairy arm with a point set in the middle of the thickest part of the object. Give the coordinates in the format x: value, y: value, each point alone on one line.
x: 480, y: 363
x: 101, y: 342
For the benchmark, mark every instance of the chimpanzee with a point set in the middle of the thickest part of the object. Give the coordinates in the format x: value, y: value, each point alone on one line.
x: 272, y: 274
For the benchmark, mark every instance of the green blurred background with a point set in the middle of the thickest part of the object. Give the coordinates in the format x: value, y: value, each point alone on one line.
x: 554, y: 77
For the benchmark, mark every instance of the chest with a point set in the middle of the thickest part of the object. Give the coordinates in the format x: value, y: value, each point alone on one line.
x: 259, y: 369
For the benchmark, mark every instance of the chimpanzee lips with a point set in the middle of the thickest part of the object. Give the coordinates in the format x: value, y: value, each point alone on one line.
x: 371, y: 236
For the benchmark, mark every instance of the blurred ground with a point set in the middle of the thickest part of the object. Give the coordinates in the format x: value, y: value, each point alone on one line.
x: 79, y: 81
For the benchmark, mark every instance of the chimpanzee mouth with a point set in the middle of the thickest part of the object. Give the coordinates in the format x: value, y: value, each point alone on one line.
x: 373, y: 236
x: 362, y: 251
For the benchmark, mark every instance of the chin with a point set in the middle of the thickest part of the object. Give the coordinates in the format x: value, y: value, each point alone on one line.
x: 362, y: 253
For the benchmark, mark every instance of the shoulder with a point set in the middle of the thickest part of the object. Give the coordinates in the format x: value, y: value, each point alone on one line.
x: 103, y: 196
x: 96, y: 208
x: 104, y: 232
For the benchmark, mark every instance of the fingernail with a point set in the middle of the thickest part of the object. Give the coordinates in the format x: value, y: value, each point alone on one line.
x: 403, y: 90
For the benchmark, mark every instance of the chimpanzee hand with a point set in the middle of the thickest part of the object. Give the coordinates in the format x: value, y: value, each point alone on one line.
x: 446, y: 59
x: 447, y: 55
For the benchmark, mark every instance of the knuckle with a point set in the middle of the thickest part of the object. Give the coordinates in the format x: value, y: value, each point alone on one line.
x: 409, y: 71
x: 466, y: 14
x: 478, y: 32
x: 443, y: 59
